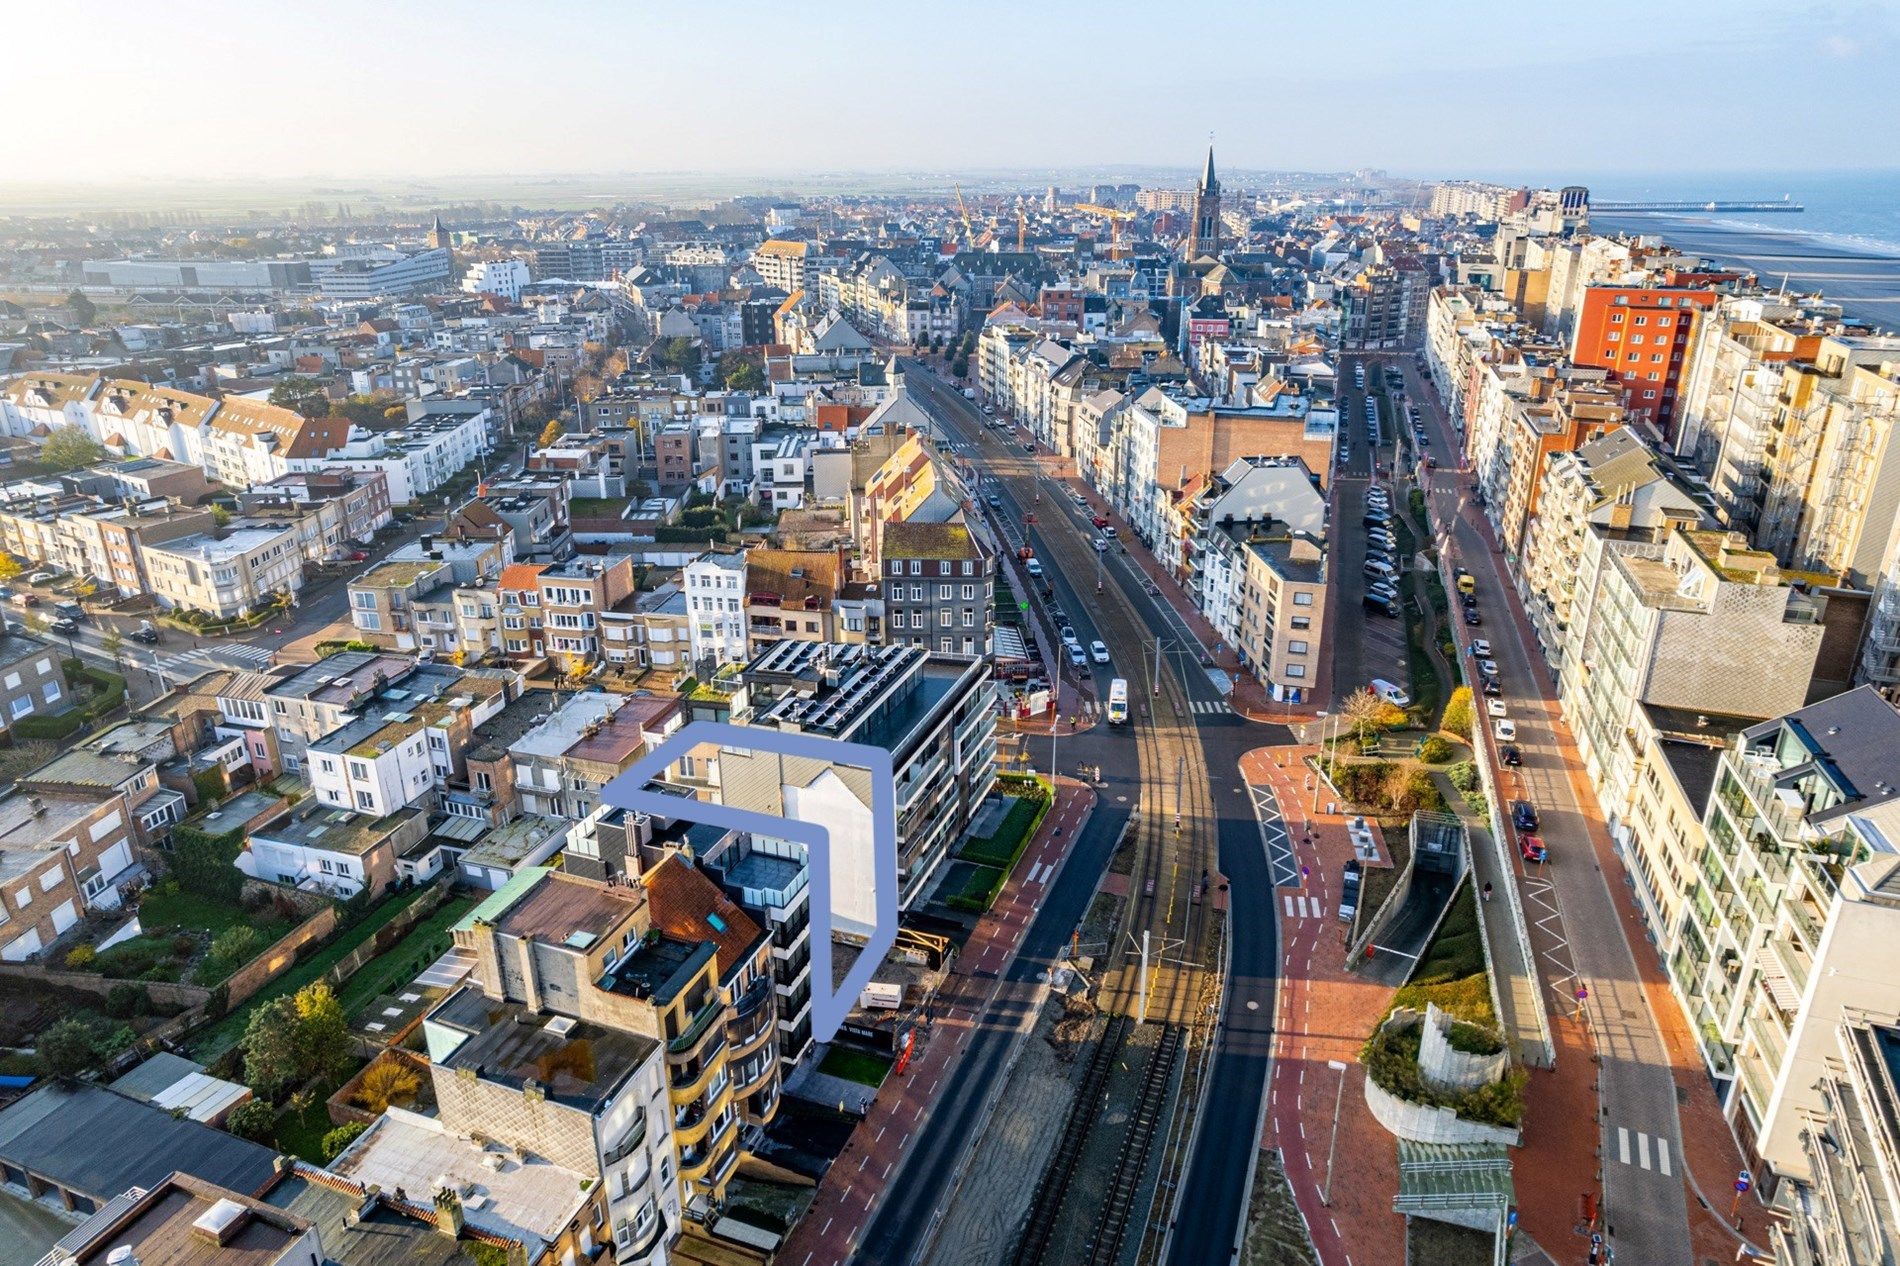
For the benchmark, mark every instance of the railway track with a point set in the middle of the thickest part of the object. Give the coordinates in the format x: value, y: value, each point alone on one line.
x: 1039, y: 1225
x: 1145, y: 1122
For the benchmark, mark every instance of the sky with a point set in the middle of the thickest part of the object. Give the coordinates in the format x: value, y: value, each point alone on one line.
x: 108, y: 92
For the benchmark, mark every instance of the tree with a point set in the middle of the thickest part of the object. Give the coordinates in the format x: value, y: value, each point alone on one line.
x: 305, y: 395
x: 639, y: 489
x: 234, y: 947
x: 551, y: 433
x: 1457, y: 719
x: 1361, y: 711
x: 220, y: 517
x: 83, y: 309
x: 112, y: 643
x: 337, y: 1141
x: 741, y: 373
x: 680, y: 355
x: 69, y: 448
x: 253, y: 1120
x: 323, y: 1032
x: 9, y: 567
x: 69, y: 1047
x: 387, y: 1082
x: 371, y: 409
x: 272, y: 1046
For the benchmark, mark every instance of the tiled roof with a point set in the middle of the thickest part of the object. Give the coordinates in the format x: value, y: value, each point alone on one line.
x: 521, y: 576
x: 689, y: 907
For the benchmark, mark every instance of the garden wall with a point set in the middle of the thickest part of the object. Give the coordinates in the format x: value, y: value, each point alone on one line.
x: 1423, y: 1124
x: 1442, y: 1064
x: 163, y: 992
x: 260, y: 971
x: 390, y: 933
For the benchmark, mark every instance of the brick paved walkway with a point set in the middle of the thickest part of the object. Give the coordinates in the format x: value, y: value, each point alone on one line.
x: 1325, y: 1014
x: 852, y: 1186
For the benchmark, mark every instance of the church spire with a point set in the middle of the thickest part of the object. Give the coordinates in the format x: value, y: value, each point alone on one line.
x: 1208, y: 182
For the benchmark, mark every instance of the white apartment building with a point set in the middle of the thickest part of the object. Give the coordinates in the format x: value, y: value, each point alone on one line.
x: 715, y: 608
x: 503, y: 278
x: 225, y: 577
x: 417, y: 459
x: 358, y: 271
x: 1694, y: 622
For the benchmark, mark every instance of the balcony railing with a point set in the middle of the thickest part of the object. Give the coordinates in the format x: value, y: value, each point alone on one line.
x: 629, y: 1142
x: 696, y: 1027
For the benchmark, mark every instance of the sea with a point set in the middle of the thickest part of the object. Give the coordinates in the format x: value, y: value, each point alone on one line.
x: 1844, y: 244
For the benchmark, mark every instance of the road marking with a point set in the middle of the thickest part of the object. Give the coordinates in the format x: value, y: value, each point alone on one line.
x: 1288, y: 899
x: 1662, y: 1156
x: 1642, y: 1150
x: 1622, y: 1145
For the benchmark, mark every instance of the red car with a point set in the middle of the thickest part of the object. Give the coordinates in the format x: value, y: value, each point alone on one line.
x: 1099, y: 521
x: 1532, y: 849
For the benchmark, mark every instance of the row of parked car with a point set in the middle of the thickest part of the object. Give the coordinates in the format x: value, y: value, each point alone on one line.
x: 1382, y: 553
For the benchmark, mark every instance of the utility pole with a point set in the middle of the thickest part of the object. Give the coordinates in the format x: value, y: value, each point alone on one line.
x: 1157, y: 673
x: 1141, y: 1007
x: 1180, y: 768
x: 1332, y: 1148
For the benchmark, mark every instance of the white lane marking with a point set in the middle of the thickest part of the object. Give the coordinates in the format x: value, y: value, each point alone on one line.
x: 1623, y: 1145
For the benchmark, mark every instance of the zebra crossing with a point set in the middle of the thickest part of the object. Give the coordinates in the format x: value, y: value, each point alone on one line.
x: 235, y: 655
x: 1209, y: 707
x: 1625, y: 1136
x: 1301, y: 907
x: 1284, y: 870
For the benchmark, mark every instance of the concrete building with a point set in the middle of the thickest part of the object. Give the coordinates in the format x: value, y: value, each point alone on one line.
x: 1642, y: 335
x: 1695, y: 622
x: 320, y: 848
x: 1613, y: 488
x: 1847, y: 1211
x: 503, y: 278
x: 715, y: 609
x: 934, y: 713
x: 229, y: 575
x: 939, y: 587
x: 32, y: 680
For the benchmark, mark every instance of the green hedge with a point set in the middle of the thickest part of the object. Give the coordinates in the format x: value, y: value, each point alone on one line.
x: 689, y: 536
x: 60, y: 726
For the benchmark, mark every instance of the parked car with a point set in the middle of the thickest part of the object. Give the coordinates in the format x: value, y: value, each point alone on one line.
x: 1098, y: 652
x: 1506, y: 731
x: 1532, y: 849
x: 28, y: 599
x: 1384, y: 606
x: 147, y: 633
x: 1078, y: 657
x: 1349, y: 890
x: 42, y: 577
x: 65, y: 624
x: 994, y: 500
x: 1480, y: 648
x: 7, y: 595
x: 1523, y: 815
x: 1490, y: 688
x: 1495, y: 707
x: 1472, y: 618
x: 1101, y: 545
x: 1110, y: 532
x: 1510, y: 756
x: 1034, y: 568
x: 1030, y: 449
x: 1099, y: 521
x: 1068, y: 636
x: 1489, y: 667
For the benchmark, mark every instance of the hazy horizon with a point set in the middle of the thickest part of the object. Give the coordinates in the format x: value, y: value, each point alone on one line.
x: 211, y: 92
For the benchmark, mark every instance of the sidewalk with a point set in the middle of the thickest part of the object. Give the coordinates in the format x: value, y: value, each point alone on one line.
x: 1323, y: 1015
x: 852, y: 1186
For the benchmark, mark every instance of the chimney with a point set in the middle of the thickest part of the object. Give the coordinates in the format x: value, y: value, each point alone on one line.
x: 448, y: 1213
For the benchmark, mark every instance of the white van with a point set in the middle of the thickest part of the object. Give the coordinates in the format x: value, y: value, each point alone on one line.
x: 1390, y: 693
x: 1034, y: 568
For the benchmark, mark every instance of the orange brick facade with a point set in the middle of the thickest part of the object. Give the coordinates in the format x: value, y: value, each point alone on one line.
x: 1642, y: 336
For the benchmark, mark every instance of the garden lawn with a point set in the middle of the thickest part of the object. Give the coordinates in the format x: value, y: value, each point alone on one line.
x: 1012, y: 834
x: 224, y: 1035
x: 188, y: 910
x: 978, y: 890
x: 860, y: 1066
x: 426, y: 942
x: 301, y: 1133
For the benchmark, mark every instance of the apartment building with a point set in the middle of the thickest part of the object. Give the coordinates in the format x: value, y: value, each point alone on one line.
x: 305, y: 704
x: 405, y: 739
x: 1642, y: 335
x: 1613, y: 488
x: 1847, y: 1211
x: 414, y: 459
x: 934, y: 713
x: 1787, y: 882
x: 226, y: 576
x: 649, y: 628
x: 792, y: 594
x: 715, y: 609
x: 1696, y: 622
x: 1279, y: 626
x: 32, y: 680
x: 1536, y: 431
x: 939, y: 587
x: 348, y: 507
x: 597, y: 956
x: 317, y: 847
x: 591, y: 738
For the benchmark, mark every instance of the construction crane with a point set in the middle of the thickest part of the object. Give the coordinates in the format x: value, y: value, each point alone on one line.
x: 969, y: 233
x: 1022, y: 227
x: 1115, y: 217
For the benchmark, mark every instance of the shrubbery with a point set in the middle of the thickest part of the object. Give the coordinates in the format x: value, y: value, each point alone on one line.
x: 1435, y: 749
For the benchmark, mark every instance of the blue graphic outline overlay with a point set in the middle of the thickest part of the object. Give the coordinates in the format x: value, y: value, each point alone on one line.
x: 629, y: 791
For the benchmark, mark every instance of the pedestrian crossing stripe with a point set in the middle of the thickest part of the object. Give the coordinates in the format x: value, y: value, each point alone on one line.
x: 1208, y: 707
x: 1300, y: 907
x: 1625, y: 1136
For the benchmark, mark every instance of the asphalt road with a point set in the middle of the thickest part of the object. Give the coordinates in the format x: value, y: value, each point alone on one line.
x: 1214, y: 1191
x: 1645, y: 1209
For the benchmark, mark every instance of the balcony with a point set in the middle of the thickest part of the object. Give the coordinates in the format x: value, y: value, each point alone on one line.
x: 629, y: 1142
x: 696, y: 1027
x: 753, y: 1017
x: 688, y: 1081
x: 637, y: 1237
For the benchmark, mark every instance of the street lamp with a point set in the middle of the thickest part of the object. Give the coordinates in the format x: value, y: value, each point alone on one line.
x: 1332, y: 1148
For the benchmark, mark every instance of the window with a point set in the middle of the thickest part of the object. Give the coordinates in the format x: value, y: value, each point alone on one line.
x: 1296, y: 648
x: 51, y: 691
x: 969, y: 568
x: 897, y: 567
x: 1617, y: 334
x: 1616, y: 318
x: 1649, y: 395
x: 365, y: 801
x: 946, y: 592
x: 969, y: 593
x: 22, y: 705
x: 1296, y: 670
x: 1641, y: 319
x: 1302, y: 621
x: 1303, y: 599
x: 969, y: 618
x: 916, y: 567
x: 943, y: 618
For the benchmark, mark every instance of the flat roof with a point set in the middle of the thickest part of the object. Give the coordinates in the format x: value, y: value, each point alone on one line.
x: 160, y: 1228
x: 326, y: 828
x: 530, y: 1199
x: 575, y: 1062
x: 567, y: 910
x: 567, y: 724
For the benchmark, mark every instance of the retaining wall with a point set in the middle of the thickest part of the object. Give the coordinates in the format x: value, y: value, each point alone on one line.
x: 164, y: 992
x: 1423, y: 1124
x: 1444, y: 1065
